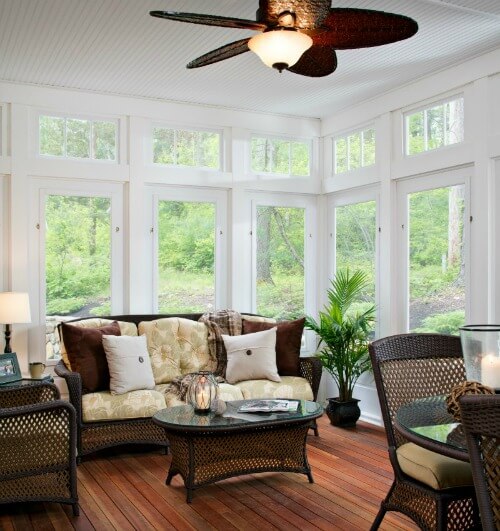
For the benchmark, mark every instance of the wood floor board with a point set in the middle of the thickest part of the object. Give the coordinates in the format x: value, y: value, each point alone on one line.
x: 123, y: 490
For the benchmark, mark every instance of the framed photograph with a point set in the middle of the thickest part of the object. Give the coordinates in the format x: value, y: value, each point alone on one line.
x: 9, y: 368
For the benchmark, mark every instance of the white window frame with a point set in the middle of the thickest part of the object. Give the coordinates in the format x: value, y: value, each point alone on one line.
x: 345, y: 136
x: 40, y: 190
x: 422, y: 184
x: 424, y: 109
x: 354, y: 197
x: 177, y: 127
x: 192, y: 195
x: 307, y: 141
x: 309, y: 204
x: 77, y: 116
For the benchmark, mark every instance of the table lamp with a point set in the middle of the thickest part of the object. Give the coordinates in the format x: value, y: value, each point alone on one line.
x: 14, y: 308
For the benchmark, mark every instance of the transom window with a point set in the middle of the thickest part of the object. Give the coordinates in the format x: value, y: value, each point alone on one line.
x: 280, y: 156
x: 354, y: 150
x: 79, y: 138
x: 434, y: 127
x: 182, y: 147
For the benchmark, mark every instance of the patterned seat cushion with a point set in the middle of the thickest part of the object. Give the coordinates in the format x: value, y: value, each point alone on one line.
x: 133, y: 405
x: 289, y: 387
x: 226, y: 392
x: 177, y: 347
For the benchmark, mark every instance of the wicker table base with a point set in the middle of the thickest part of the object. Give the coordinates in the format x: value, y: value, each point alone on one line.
x: 211, y: 453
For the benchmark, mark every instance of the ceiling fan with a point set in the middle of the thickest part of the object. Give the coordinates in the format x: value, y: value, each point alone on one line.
x: 301, y: 36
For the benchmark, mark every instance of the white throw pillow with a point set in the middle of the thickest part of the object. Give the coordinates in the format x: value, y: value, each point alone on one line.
x: 251, y: 357
x: 129, y: 363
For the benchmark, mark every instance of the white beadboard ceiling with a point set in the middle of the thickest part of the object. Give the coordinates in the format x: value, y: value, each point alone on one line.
x: 115, y: 47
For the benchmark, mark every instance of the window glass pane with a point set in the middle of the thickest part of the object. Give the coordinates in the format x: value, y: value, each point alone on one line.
x: 454, y: 112
x: 436, y: 260
x: 354, y: 143
x: 435, y: 127
x: 260, y: 154
x: 186, y: 256
x: 300, y: 158
x: 340, y: 155
x: 368, y: 147
x: 280, y: 262
x: 415, y: 140
x: 51, y: 131
x: 77, y: 259
x: 163, y: 146
x: 104, y: 136
x: 186, y: 148
x: 355, y: 245
x: 281, y: 159
x: 78, y: 138
x: 208, y: 150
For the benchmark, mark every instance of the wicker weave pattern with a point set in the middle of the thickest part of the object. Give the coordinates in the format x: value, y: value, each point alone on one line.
x: 408, y: 367
x: 311, y: 369
x: 481, y: 420
x: 37, y: 446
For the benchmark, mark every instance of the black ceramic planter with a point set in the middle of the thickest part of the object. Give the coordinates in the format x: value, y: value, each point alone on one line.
x: 343, y: 414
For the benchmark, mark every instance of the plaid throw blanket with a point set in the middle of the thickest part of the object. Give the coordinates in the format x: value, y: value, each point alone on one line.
x: 220, y: 322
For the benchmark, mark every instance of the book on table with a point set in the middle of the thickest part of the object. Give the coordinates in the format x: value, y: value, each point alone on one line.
x: 269, y: 406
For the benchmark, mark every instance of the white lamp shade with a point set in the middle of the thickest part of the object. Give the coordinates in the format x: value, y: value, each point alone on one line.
x: 280, y: 46
x: 14, y: 308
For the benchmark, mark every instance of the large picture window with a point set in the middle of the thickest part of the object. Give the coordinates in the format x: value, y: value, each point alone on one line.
x: 434, y: 127
x: 280, y: 156
x: 77, y: 138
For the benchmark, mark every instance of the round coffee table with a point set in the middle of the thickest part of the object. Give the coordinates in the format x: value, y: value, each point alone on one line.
x: 208, y: 448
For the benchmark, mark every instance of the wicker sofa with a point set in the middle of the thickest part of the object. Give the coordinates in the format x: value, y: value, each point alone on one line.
x: 105, y: 420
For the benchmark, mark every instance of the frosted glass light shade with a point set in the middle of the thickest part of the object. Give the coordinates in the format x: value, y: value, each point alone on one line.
x: 14, y: 308
x: 280, y: 47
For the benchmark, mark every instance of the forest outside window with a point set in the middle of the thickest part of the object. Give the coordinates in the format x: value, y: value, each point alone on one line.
x: 77, y: 138
x: 190, y: 148
x: 354, y: 150
x: 280, y: 156
x: 435, y: 127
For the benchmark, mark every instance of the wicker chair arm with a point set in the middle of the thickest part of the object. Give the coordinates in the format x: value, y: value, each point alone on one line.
x: 37, y: 437
x: 311, y: 369
x: 74, y: 383
x: 13, y: 397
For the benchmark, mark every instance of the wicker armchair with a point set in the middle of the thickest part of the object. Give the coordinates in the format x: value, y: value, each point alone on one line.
x: 481, y: 420
x: 408, y: 367
x: 37, y: 446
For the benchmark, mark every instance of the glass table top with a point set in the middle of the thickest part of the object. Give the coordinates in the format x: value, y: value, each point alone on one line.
x: 185, y: 417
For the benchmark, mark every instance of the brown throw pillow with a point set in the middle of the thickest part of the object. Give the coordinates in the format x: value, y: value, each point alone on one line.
x: 86, y: 354
x: 288, y: 341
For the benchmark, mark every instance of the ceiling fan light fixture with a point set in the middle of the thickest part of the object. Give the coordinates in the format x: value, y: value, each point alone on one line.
x: 280, y: 48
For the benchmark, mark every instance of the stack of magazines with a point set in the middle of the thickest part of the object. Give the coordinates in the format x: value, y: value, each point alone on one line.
x: 269, y: 406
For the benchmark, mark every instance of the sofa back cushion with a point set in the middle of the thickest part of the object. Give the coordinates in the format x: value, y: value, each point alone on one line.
x: 86, y: 354
x: 177, y: 347
x: 126, y: 329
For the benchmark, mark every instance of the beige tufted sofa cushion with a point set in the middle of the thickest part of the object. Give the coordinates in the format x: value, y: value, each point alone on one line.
x: 177, y: 347
x: 289, y: 387
x: 126, y: 329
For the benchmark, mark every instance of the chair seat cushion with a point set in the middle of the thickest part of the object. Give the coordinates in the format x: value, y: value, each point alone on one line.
x: 133, y: 405
x: 289, y: 387
x: 437, y: 471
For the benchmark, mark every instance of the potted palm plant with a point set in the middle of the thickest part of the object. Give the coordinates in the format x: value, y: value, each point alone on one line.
x: 344, y: 333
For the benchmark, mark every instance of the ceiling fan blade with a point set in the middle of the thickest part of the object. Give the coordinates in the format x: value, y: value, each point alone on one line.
x: 210, y: 20
x: 224, y: 52
x: 318, y: 61
x: 361, y: 28
x: 308, y: 13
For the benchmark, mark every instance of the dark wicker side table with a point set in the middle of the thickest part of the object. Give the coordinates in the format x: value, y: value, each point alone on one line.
x: 208, y: 448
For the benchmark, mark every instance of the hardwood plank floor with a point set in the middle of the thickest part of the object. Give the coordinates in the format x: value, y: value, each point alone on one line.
x: 127, y: 491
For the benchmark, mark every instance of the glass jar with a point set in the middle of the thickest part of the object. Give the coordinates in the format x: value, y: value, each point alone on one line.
x: 202, y: 391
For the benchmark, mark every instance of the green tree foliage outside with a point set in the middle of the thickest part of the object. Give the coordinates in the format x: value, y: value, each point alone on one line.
x: 354, y: 151
x: 186, y: 256
x: 280, y: 261
x: 278, y: 156
x: 77, y: 254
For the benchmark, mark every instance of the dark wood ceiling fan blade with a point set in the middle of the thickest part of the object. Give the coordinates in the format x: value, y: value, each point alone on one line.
x: 224, y: 52
x: 318, y: 61
x: 347, y: 28
x: 308, y: 13
x: 210, y: 20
